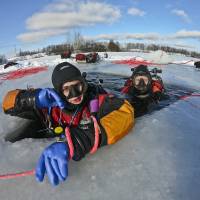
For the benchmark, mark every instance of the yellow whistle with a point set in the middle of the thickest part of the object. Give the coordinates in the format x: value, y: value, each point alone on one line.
x: 58, y: 130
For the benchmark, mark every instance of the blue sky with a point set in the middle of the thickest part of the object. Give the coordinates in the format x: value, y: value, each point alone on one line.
x: 32, y: 24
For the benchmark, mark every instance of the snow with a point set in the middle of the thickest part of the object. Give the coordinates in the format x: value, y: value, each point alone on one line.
x: 158, y: 160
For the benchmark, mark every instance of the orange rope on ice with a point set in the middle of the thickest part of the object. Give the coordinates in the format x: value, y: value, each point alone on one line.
x: 191, y: 95
x: 15, y: 175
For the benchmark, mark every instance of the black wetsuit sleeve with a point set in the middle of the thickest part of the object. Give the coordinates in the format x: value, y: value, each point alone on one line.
x: 35, y: 124
x: 24, y: 106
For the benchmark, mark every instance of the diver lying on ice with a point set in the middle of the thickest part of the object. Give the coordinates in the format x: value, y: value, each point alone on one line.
x: 143, y: 89
x: 82, y: 117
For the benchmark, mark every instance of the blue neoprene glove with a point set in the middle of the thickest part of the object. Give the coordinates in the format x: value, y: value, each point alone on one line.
x: 54, y: 162
x: 48, y: 97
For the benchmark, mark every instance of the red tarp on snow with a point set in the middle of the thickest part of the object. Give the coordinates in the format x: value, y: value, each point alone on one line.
x: 22, y: 72
x: 134, y: 62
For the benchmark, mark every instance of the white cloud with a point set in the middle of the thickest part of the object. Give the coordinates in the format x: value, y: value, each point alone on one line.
x: 182, y: 14
x: 143, y: 36
x: 85, y: 14
x: 178, y: 36
x: 126, y: 36
x: 67, y: 14
x: 185, y: 46
x: 61, y: 6
x: 115, y: 36
x: 136, y: 12
x: 40, y: 35
x: 184, y: 34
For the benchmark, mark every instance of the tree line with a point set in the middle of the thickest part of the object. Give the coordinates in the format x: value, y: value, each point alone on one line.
x: 80, y: 45
x: 154, y: 47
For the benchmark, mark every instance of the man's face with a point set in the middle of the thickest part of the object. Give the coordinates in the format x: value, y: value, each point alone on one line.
x: 73, y: 91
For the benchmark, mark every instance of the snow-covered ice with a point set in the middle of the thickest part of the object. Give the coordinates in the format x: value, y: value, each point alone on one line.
x: 158, y: 160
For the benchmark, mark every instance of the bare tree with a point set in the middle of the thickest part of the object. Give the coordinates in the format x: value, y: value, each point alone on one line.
x: 2, y: 59
x: 78, y: 41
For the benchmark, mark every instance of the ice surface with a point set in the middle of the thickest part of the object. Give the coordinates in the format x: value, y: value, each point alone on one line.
x: 158, y: 160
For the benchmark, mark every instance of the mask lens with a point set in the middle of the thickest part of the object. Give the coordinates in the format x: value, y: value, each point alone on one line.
x: 139, y: 79
x: 141, y: 82
x: 73, y: 90
x: 79, y: 87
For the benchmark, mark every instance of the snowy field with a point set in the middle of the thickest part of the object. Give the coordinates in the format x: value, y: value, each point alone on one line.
x: 158, y: 160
